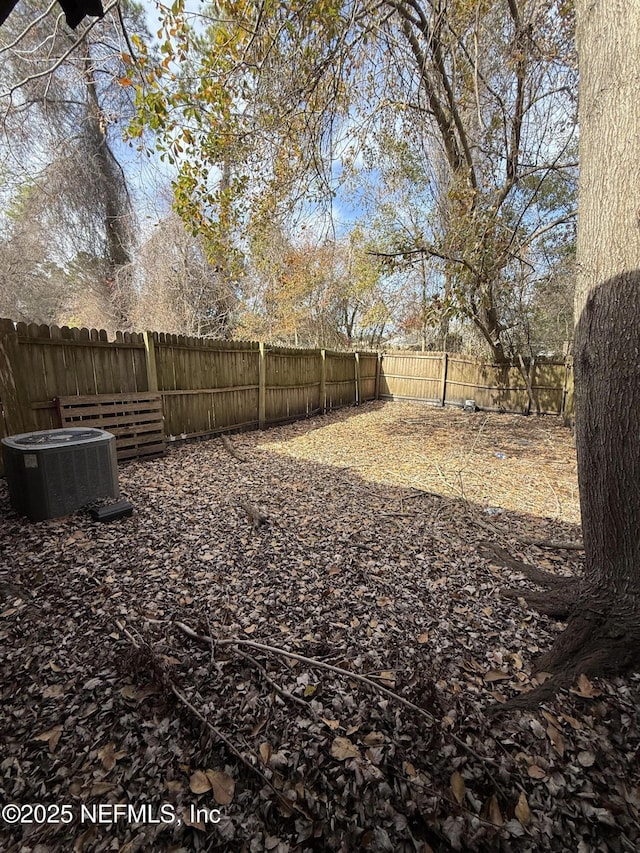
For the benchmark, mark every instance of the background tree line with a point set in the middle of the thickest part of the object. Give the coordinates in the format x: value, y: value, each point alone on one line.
x: 333, y: 173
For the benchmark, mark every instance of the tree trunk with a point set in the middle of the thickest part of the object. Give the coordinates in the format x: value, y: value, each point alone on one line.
x: 423, y: 304
x: 603, y: 631
x: 485, y: 319
x: 113, y: 194
x: 607, y: 358
x: 110, y: 178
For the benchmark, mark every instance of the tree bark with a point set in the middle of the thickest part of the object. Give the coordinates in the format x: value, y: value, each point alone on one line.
x: 603, y: 631
x: 606, y: 353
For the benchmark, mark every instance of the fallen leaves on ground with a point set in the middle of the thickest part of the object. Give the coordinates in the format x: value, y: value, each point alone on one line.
x: 369, y: 561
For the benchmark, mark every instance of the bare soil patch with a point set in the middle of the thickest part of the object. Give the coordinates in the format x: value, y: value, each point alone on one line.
x: 371, y: 561
x: 499, y: 461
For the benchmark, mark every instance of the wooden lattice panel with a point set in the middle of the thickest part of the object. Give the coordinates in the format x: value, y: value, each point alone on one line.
x: 136, y: 420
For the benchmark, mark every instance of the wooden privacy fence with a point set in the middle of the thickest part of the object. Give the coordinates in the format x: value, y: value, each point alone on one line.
x: 206, y: 387
x: 210, y: 386
x: 49, y: 374
x: 449, y: 380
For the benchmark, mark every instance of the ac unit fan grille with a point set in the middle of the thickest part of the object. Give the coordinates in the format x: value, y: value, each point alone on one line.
x: 53, y: 437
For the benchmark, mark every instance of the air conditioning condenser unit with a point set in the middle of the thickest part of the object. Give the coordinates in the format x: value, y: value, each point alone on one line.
x: 55, y: 472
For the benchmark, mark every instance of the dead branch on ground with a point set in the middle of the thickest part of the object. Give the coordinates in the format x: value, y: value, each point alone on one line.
x: 143, y: 648
x: 314, y: 662
x: 226, y: 443
x: 353, y: 676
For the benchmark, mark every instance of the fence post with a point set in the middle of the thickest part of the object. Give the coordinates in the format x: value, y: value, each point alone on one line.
x: 376, y: 392
x: 150, y: 358
x: 356, y: 356
x: 10, y: 402
x: 323, y: 381
x: 443, y: 387
x: 262, y: 388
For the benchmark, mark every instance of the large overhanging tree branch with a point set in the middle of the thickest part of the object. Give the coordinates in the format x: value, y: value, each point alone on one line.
x: 404, y: 254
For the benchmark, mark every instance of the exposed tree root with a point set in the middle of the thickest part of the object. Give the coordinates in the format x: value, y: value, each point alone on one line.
x: 595, y: 642
x: 552, y: 544
x: 602, y: 636
x: 601, y: 655
x: 532, y: 700
x: 501, y: 557
x: 554, y: 603
x: 560, y: 592
x: 601, y: 639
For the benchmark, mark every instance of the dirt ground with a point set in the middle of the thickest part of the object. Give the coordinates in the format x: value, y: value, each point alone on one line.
x: 371, y: 568
x: 493, y: 461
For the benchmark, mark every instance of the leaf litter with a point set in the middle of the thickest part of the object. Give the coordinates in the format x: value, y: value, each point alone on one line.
x: 368, y: 567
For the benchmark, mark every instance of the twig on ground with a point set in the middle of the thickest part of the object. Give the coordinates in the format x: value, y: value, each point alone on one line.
x: 477, y: 437
x: 459, y: 488
x: 422, y: 494
x: 213, y: 729
x: 226, y: 443
x: 281, y: 690
x: 555, y: 494
x: 288, y: 804
x: 486, y: 525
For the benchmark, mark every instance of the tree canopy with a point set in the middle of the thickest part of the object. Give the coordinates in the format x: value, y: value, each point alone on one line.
x: 267, y: 109
x: 439, y: 137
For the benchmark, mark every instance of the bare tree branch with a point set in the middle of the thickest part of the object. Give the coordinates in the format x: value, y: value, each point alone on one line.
x: 59, y: 61
x: 425, y: 250
x: 28, y: 29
